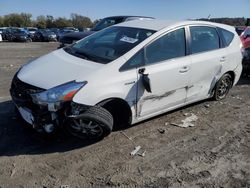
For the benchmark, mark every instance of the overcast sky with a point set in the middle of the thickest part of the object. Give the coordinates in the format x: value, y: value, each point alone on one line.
x: 161, y: 9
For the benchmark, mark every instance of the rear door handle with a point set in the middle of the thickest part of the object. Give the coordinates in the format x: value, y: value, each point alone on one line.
x: 184, y: 69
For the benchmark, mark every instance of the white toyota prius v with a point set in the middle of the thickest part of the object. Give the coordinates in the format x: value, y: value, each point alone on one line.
x: 127, y: 73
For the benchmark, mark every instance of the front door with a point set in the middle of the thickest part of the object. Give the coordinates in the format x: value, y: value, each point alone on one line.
x: 167, y: 71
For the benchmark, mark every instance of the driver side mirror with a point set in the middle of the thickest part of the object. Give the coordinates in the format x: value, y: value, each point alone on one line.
x: 145, y: 80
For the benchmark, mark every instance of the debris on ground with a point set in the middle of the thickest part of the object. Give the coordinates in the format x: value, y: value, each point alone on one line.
x: 135, y: 151
x: 187, y: 122
x: 175, y: 124
x: 207, y: 105
x: 13, y: 171
x: 124, y: 134
x: 142, y: 154
x: 161, y: 130
x: 237, y: 97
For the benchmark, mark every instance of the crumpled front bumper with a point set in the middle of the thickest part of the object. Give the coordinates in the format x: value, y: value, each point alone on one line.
x: 36, y: 115
x: 41, y: 118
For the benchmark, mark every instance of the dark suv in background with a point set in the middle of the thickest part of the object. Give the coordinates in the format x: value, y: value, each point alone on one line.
x: 44, y: 35
x: 105, y: 22
x: 16, y: 35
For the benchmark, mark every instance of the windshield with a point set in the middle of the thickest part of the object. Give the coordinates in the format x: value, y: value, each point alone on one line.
x: 46, y: 31
x: 109, y: 44
x: 106, y: 22
x: 31, y: 29
x: 19, y: 31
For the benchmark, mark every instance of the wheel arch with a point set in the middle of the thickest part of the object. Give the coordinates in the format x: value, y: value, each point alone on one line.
x: 119, y: 109
x: 232, y: 74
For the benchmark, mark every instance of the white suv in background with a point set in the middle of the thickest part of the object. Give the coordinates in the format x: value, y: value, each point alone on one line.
x: 127, y: 73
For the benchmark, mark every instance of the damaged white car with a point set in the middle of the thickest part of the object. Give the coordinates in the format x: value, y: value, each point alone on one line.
x: 127, y: 73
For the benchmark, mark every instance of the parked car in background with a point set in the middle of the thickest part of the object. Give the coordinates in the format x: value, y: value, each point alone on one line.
x: 105, y: 22
x: 245, y: 39
x: 127, y: 73
x: 63, y: 32
x: 44, y: 35
x: 239, y: 29
x: 16, y: 35
x: 56, y: 31
x: 2, y: 29
x: 31, y: 31
x: 72, y: 29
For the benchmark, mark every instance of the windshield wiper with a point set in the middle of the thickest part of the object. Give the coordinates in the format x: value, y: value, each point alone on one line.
x: 83, y: 55
x: 68, y: 49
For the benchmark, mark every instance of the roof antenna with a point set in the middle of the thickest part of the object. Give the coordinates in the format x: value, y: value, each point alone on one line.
x: 209, y: 16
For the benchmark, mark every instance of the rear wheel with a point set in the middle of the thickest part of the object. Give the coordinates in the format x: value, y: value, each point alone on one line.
x: 223, y: 86
x: 94, y: 123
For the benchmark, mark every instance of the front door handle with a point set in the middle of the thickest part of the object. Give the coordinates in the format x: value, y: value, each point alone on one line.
x: 223, y: 59
x: 184, y: 69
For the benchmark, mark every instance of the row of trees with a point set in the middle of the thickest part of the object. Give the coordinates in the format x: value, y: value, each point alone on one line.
x: 76, y: 20
x: 48, y: 21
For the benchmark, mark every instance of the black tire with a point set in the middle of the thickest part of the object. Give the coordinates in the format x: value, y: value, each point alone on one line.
x: 95, y: 116
x: 222, y: 87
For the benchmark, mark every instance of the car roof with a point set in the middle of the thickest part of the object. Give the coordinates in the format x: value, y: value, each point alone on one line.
x: 122, y: 16
x: 161, y: 24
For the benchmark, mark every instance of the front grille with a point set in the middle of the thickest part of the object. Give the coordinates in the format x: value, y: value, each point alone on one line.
x: 20, y: 92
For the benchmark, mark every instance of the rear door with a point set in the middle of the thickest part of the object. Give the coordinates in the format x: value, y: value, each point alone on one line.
x: 207, y: 58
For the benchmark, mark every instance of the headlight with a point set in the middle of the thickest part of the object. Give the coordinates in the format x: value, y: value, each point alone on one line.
x: 58, y: 94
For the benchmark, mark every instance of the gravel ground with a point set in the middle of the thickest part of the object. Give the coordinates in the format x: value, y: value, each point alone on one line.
x: 215, y: 152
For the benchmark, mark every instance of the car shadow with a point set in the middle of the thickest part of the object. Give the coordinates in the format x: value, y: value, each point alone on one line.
x: 17, y: 138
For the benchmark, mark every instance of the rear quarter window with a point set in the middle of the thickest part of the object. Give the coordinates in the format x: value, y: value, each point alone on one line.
x: 227, y: 36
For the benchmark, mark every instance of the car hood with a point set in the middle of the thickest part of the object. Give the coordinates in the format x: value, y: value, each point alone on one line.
x: 78, y: 35
x: 56, y: 68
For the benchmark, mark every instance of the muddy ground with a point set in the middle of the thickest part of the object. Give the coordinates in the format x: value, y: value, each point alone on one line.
x: 213, y: 153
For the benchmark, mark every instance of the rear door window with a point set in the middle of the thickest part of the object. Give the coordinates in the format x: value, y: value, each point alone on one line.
x: 203, y: 39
